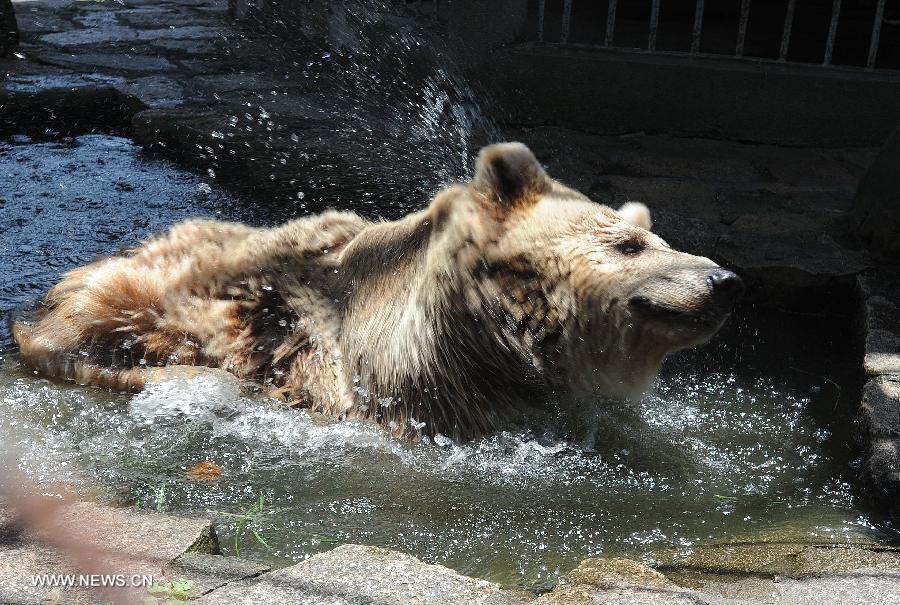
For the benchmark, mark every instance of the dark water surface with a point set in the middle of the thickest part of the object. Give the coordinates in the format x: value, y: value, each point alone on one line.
x: 718, y: 450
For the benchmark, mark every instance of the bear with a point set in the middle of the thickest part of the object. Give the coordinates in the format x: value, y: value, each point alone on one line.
x: 505, y: 295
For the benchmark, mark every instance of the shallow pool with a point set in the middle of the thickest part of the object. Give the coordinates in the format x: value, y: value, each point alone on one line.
x: 722, y: 448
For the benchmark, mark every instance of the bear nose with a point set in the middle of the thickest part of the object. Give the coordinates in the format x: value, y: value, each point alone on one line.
x: 726, y: 286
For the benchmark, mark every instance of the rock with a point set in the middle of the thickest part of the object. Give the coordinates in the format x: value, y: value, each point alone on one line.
x: 610, y: 573
x: 787, y: 567
x: 62, y: 537
x: 880, y: 415
x: 353, y: 574
x: 9, y: 29
x: 617, y: 581
x: 882, y: 355
x: 876, y: 207
x: 881, y: 407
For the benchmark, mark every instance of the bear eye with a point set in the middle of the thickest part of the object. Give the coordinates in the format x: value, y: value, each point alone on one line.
x: 631, y: 246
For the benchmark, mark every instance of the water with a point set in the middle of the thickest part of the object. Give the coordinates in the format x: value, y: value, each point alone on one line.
x: 719, y: 450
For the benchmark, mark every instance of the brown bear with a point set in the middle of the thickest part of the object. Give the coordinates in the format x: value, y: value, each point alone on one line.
x: 503, y: 295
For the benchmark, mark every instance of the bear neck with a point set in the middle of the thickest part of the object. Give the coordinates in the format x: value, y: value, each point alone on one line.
x: 423, y: 347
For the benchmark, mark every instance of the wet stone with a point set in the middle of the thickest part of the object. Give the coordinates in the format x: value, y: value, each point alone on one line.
x: 151, y: 17
x: 154, y: 91
x: 190, y: 32
x: 116, y: 62
x: 98, y: 19
x: 189, y: 47
x: 97, y: 35
x: 40, y: 23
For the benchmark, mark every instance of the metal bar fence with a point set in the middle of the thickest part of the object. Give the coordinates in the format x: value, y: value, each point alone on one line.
x: 698, y: 28
x: 786, y: 32
x: 832, y: 31
x: 610, y: 23
x: 654, y: 25
x: 740, y: 48
x: 542, y: 9
x: 566, y: 21
x: 742, y: 28
x: 876, y: 35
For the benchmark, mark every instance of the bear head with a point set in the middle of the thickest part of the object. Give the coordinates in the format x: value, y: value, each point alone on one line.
x: 590, y: 294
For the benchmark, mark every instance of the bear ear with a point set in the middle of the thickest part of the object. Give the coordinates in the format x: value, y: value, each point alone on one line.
x: 509, y: 173
x: 637, y: 214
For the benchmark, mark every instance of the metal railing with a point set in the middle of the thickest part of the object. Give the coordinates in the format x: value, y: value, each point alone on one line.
x: 741, y: 27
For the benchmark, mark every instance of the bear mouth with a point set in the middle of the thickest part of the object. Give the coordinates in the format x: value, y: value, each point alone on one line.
x: 708, y: 318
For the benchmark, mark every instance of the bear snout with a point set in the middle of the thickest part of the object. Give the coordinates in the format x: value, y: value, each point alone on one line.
x: 725, y: 286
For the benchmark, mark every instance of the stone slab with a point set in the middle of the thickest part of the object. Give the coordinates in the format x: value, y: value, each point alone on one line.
x: 94, y: 35
x: 41, y: 23
x: 154, y: 91
x: 858, y: 587
x: 352, y: 575
x: 209, y: 572
x: 188, y: 32
x: 49, y: 536
x: 117, y: 62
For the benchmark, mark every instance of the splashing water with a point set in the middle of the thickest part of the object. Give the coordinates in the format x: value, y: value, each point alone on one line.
x: 385, y: 118
x: 705, y: 457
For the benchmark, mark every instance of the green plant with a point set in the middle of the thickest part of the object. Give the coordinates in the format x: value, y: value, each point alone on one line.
x: 246, y: 521
x: 161, y: 497
x: 169, y: 593
x: 156, y: 499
